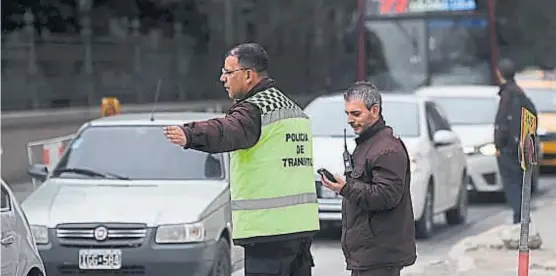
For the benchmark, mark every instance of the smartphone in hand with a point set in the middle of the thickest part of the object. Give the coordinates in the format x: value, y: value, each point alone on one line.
x: 327, y: 174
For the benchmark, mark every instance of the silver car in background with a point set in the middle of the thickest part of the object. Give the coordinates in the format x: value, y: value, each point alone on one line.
x: 471, y: 110
x: 123, y: 200
x: 20, y: 256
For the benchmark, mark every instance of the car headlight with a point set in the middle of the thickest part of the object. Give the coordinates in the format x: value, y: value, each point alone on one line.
x: 40, y: 234
x: 412, y: 163
x: 469, y: 150
x: 180, y: 233
x: 488, y: 149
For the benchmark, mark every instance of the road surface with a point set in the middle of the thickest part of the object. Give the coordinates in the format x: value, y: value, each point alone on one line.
x: 329, y: 259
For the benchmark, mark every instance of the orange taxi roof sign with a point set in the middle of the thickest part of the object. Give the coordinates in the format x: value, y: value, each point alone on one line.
x: 110, y: 106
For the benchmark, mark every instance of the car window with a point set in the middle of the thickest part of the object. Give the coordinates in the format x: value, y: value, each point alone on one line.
x: 139, y: 153
x: 329, y: 119
x: 5, y: 203
x: 435, y: 120
x: 468, y: 110
x: 431, y: 124
x: 440, y: 115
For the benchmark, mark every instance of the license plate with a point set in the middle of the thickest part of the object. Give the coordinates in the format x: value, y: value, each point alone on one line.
x: 100, y: 259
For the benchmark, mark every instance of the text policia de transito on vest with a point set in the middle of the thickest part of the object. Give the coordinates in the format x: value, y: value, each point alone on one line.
x: 298, y: 139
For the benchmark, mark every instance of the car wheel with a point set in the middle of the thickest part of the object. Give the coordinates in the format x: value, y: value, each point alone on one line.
x: 425, y: 225
x: 458, y: 214
x: 223, y: 263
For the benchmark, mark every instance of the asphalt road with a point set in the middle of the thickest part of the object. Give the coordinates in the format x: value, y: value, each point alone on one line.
x: 483, y: 215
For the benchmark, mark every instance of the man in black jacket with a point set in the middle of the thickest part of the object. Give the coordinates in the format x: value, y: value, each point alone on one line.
x: 378, y: 227
x: 507, y: 134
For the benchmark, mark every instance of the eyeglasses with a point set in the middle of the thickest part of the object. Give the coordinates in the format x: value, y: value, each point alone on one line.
x: 228, y: 72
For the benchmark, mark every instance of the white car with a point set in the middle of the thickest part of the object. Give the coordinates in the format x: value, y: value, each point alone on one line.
x: 20, y: 256
x: 124, y: 200
x: 471, y: 110
x: 439, y: 177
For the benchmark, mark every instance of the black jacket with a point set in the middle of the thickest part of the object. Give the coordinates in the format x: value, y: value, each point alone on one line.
x: 507, y: 124
x: 378, y: 228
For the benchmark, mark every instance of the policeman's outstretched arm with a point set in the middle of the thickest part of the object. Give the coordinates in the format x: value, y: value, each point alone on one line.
x: 387, y: 187
x: 240, y: 129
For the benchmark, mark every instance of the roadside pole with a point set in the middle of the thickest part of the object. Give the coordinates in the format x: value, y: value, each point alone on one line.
x: 528, y: 158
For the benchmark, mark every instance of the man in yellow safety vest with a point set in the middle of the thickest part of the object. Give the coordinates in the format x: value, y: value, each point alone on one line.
x: 272, y: 186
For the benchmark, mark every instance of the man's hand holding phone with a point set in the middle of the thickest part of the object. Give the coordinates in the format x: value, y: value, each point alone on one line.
x: 332, y: 182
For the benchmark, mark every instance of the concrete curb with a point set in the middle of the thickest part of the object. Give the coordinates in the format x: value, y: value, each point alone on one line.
x: 458, y: 253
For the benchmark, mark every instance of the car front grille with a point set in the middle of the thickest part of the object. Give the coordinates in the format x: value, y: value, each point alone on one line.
x: 117, y: 235
x: 71, y: 270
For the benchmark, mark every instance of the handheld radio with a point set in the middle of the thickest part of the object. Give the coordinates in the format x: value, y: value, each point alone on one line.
x: 348, y: 162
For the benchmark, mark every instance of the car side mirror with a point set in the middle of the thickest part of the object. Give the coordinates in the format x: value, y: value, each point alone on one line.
x: 444, y: 137
x: 38, y: 171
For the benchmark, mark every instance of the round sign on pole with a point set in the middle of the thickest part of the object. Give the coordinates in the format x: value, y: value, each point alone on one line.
x: 110, y: 106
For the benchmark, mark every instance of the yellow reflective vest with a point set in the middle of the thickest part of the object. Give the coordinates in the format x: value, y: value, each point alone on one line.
x: 273, y: 183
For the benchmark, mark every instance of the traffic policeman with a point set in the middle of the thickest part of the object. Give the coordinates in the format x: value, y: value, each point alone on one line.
x: 274, y: 201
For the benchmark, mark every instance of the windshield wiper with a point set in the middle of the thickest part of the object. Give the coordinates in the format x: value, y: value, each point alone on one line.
x: 90, y: 173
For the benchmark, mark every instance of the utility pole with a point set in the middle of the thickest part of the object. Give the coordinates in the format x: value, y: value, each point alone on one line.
x: 229, y: 26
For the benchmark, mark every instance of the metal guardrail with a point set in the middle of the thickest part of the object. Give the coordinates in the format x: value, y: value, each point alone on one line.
x: 22, y: 119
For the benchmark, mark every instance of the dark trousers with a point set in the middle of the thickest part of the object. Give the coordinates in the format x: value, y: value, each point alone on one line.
x: 383, y: 271
x: 284, y: 258
x: 512, y: 179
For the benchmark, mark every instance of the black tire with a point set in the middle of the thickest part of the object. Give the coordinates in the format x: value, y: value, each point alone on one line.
x: 223, y: 264
x: 35, y: 272
x: 458, y: 214
x: 425, y: 225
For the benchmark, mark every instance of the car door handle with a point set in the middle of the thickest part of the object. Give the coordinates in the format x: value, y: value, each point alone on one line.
x: 7, y: 240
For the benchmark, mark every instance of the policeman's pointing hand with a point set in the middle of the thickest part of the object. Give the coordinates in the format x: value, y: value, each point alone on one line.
x: 176, y: 135
x: 336, y: 187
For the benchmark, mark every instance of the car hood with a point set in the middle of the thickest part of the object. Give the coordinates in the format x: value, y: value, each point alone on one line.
x: 151, y: 202
x: 328, y: 152
x: 474, y: 135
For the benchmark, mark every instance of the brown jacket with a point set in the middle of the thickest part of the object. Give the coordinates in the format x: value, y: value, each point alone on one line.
x: 378, y: 227
x: 239, y: 129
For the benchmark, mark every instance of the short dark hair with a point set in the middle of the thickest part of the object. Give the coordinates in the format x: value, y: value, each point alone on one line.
x: 507, y: 68
x: 250, y: 55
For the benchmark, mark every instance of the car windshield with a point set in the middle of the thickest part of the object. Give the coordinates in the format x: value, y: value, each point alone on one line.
x: 402, y: 53
x: 137, y: 153
x: 469, y: 110
x: 329, y: 119
x: 544, y: 99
